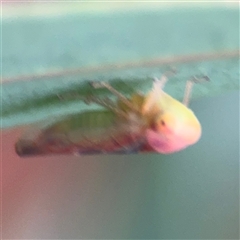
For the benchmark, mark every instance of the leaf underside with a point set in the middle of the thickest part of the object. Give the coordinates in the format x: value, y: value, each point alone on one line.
x: 112, y: 38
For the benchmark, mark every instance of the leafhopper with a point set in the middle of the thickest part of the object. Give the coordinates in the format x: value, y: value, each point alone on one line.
x: 152, y: 122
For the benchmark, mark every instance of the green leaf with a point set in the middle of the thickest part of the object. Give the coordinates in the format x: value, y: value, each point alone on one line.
x: 40, y: 45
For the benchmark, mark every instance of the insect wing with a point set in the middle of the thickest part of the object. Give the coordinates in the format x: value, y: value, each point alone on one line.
x: 92, y: 132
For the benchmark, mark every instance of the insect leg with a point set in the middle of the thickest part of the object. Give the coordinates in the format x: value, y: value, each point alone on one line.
x: 115, y: 92
x: 189, y: 86
x: 106, y: 102
x: 160, y: 83
x: 70, y: 96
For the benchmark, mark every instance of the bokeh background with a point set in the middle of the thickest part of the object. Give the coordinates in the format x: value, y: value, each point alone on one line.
x: 193, y: 194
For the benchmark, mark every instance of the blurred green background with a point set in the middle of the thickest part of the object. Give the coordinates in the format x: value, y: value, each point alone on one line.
x: 193, y: 194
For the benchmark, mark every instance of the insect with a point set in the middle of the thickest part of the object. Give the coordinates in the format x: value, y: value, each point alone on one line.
x: 152, y: 122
